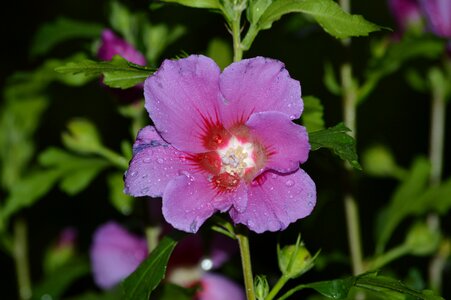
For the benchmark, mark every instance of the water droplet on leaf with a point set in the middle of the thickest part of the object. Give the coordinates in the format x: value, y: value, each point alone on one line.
x: 289, y: 183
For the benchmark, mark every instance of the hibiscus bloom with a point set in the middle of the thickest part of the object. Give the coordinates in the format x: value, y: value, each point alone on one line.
x: 223, y: 142
x: 111, y: 45
x: 438, y: 15
x: 407, y: 14
x: 116, y: 253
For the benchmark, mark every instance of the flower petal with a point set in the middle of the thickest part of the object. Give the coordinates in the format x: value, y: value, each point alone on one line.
x: 182, y: 98
x: 286, y: 142
x: 153, y: 165
x: 112, y: 45
x: 275, y: 201
x: 217, y: 287
x: 115, y: 254
x: 189, y: 200
x: 438, y: 13
x: 256, y: 85
x: 222, y: 249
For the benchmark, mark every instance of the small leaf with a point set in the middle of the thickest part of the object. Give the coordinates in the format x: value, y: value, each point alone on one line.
x: 330, y: 80
x: 327, y: 13
x: 211, y: 4
x: 122, y: 21
x: 140, y: 284
x: 256, y: 9
x: 157, y: 38
x: 118, y: 73
x: 336, y: 139
x: 63, y: 29
x: 312, y: 116
x: 82, y: 136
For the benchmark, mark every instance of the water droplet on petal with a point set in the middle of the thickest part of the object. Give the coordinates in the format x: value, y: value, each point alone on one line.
x: 273, y: 176
x: 144, y: 190
x: 193, y: 226
x: 310, y: 203
x: 289, y: 183
x: 147, y: 160
x: 160, y: 160
x: 133, y: 174
x: 144, y: 176
x: 292, y: 117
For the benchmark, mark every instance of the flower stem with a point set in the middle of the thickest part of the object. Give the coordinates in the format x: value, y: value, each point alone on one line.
x: 436, y: 147
x: 349, y: 115
x: 388, y: 257
x: 277, y: 287
x: 243, y: 242
x: 236, y: 33
x: 21, y: 259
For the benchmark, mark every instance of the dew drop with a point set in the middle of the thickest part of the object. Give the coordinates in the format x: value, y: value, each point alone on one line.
x: 273, y: 176
x: 310, y: 203
x: 289, y: 183
x: 133, y: 174
x: 144, y: 176
x: 144, y: 190
x: 147, y: 160
x: 193, y: 226
x: 292, y: 117
x: 160, y: 160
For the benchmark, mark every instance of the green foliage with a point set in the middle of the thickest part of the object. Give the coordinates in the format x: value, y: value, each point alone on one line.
x: 330, y: 80
x: 312, y: 117
x: 157, y: 37
x: 172, y: 291
x: 340, y: 288
x: 327, y: 13
x: 122, y: 202
x: 124, y: 22
x: 82, y: 136
x: 57, y: 282
x: 405, y: 200
x: 63, y: 29
x: 422, y: 240
x: 336, y: 139
x: 221, y: 52
x: 117, y: 73
x: 379, y: 161
x: 140, y: 284
x: 210, y: 4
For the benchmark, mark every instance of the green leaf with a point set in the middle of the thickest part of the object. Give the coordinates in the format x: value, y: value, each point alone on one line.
x: 117, y: 73
x: 19, y: 118
x: 210, y: 4
x: 327, y: 13
x: 436, y: 198
x: 312, y: 116
x: 158, y: 37
x: 140, y: 284
x: 122, y: 202
x: 404, y: 201
x: 82, y: 136
x: 339, y: 288
x: 76, y: 172
x: 55, y: 284
x: 336, y: 139
x: 63, y: 29
x: 123, y: 21
x: 172, y: 291
x: 221, y: 52
x: 256, y: 9
x: 28, y: 190
x: 330, y: 80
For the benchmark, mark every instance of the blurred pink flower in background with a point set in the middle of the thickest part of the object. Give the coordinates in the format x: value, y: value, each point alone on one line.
x: 116, y: 253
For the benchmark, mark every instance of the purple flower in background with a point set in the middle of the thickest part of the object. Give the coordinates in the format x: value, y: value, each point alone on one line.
x: 223, y: 142
x: 407, y: 14
x: 115, y: 254
x: 438, y: 15
x: 112, y: 45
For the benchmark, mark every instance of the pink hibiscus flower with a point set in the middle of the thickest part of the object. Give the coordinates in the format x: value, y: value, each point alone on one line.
x: 223, y: 142
x: 112, y: 45
x: 438, y: 15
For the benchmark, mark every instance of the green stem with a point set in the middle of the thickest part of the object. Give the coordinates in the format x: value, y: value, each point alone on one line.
x: 243, y: 242
x: 113, y: 157
x: 236, y: 33
x: 349, y: 114
x: 21, y: 259
x: 388, y: 257
x: 277, y: 287
x: 436, y: 147
x: 152, y: 237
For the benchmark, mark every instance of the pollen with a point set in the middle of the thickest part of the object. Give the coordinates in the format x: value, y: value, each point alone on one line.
x: 236, y: 157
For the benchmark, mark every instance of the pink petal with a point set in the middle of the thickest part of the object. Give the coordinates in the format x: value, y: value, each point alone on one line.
x: 222, y: 249
x: 112, y: 45
x: 438, y: 13
x: 182, y: 98
x: 256, y: 85
x: 153, y: 165
x: 275, y: 201
x: 217, y: 287
x: 286, y: 142
x: 115, y: 254
x: 189, y: 200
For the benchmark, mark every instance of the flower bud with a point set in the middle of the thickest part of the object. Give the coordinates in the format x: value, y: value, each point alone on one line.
x: 294, y: 260
x: 422, y: 240
x: 261, y: 287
